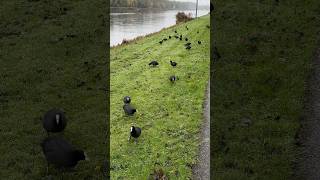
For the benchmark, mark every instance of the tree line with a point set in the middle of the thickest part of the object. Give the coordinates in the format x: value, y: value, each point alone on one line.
x: 162, y: 4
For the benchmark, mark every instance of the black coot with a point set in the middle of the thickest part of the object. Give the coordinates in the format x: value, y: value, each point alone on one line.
x: 174, y: 64
x: 153, y: 63
x: 127, y: 99
x: 135, y: 132
x: 129, y: 110
x: 61, y: 153
x: 54, y: 121
x: 173, y: 78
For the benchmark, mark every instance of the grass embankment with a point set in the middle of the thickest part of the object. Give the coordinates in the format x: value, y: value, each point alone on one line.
x: 169, y: 114
x: 44, y: 46
x: 258, y: 85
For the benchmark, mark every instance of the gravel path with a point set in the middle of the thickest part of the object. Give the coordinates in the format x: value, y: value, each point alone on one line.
x: 201, y: 171
x: 308, y: 167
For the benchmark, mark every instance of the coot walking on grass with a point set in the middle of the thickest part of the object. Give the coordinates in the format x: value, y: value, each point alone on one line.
x: 129, y: 110
x: 174, y: 64
x: 188, y: 44
x: 173, y: 78
x: 61, y: 153
x: 153, y: 63
x: 135, y: 132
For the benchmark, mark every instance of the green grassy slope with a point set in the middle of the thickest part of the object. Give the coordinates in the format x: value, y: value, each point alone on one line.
x: 258, y: 89
x: 43, y: 47
x: 169, y: 114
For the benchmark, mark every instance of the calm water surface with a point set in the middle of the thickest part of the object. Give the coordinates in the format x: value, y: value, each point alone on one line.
x: 128, y: 24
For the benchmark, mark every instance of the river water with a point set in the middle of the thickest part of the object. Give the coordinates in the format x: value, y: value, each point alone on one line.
x: 128, y: 24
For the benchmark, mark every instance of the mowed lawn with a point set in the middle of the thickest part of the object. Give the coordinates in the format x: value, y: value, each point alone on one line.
x: 169, y: 114
x: 52, y: 54
x: 266, y: 50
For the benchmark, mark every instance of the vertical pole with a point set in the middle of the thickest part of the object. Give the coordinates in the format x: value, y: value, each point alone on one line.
x: 197, y: 9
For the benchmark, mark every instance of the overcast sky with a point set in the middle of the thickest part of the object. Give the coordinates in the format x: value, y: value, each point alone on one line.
x: 201, y: 2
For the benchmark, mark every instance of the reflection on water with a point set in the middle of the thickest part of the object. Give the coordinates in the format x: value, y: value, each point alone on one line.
x: 128, y: 24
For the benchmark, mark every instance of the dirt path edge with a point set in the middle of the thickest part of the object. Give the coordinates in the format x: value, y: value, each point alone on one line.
x: 307, y: 166
x: 201, y: 171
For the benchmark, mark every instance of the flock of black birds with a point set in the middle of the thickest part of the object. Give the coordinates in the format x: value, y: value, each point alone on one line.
x: 129, y: 110
x: 187, y: 45
x: 57, y: 150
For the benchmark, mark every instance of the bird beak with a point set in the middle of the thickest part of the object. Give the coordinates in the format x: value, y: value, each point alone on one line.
x: 86, y: 157
x: 57, y: 118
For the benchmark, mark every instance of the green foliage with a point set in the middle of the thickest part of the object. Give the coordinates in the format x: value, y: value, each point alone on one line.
x: 169, y: 114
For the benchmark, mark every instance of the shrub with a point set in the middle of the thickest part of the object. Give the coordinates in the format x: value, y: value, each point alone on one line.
x: 183, y: 17
x: 125, y: 41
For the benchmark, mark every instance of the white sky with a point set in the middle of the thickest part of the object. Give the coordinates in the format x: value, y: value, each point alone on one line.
x: 201, y: 2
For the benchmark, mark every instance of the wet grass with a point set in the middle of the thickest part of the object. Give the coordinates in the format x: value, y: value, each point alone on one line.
x: 258, y: 85
x: 169, y: 114
x: 52, y: 54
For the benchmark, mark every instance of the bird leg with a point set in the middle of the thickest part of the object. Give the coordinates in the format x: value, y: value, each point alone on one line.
x: 135, y: 140
x: 129, y: 137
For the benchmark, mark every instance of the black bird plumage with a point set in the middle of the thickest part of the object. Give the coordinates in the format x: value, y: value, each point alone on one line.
x: 160, y: 42
x: 61, y: 153
x: 169, y: 37
x: 188, y: 47
x: 135, y: 132
x: 188, y: 44
x: 173, y: 78
x: 175, y: 31
x: 165, y: 39
x: 153, y: 63
x: 127, y: 99
x: 186, y: 39
x: 199, y: 42
x: 129, y: 110
x: 173, y: 63
x: 54, y: 121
